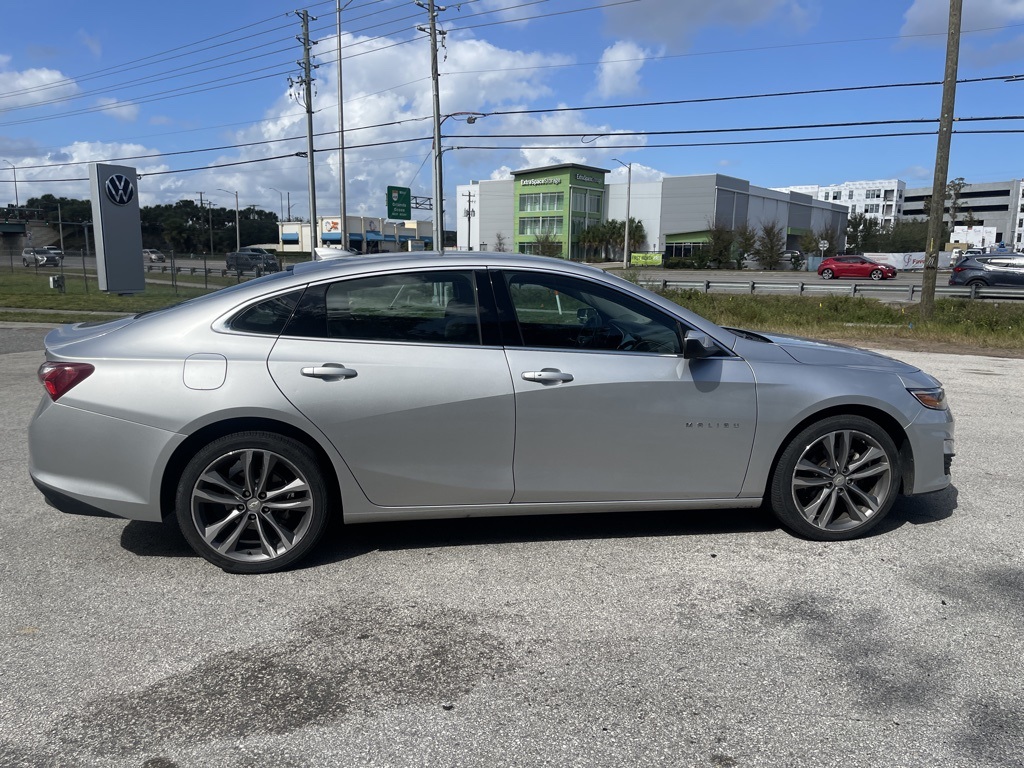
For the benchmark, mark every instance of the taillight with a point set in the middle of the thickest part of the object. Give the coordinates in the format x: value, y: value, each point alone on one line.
x: 959, y: 269
x: 58, y: 378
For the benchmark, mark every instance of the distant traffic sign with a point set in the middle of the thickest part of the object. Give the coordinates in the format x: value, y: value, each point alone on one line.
x: 823, y: 245
x: 399, y: 203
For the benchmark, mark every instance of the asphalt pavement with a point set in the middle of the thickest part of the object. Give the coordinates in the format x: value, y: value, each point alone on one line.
x: 695, y: 639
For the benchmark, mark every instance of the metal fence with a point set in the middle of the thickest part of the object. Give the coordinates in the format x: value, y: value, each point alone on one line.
x: 904, y: 292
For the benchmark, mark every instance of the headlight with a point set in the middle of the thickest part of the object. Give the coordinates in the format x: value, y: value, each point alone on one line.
x: 934, y: 398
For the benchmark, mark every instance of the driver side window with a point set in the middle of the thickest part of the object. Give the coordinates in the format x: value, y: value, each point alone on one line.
x: 568, y: 313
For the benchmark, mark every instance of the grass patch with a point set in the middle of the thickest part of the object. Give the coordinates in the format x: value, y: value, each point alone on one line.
x: 30, y: 289
x: 959, y: 322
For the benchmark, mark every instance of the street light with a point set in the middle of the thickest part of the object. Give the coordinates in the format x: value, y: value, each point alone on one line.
x: 238, y: 231
x: 469, y: 117
x: 281, y: 194
x: 629, y: 185
x: 15, y: 169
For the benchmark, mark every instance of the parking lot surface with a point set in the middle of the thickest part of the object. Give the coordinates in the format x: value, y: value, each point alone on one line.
x: 694, y: 639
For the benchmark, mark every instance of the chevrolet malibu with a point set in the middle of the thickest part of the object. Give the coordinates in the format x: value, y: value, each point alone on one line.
x: 437, y: 386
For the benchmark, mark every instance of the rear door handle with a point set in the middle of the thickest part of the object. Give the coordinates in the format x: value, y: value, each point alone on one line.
x: 547, y: 376
x: 329, y: 371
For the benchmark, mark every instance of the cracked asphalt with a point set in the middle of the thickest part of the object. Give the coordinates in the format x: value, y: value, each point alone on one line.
x: 699, y: 639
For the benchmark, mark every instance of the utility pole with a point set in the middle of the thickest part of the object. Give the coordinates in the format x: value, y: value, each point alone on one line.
x: 306, y: 97
x: 470, y: 213
x: 432, y: 11
x: 341, y: 137
x: 937, y: 212
x: 238, y: 230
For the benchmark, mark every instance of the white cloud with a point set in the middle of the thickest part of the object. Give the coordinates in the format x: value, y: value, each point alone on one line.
x: 92, y: 44
x: 619, y: 71
x: 931, y: 17
x: 122, y: 110
x: 31, y: 87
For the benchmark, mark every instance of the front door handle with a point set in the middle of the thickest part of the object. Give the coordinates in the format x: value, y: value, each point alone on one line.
x: 547, y: 376
x: 329, y: 371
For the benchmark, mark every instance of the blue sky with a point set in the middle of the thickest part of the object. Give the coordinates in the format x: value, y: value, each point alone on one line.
x: 84, y: 82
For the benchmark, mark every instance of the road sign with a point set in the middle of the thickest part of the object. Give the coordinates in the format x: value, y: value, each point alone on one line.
x: 823, y: 245
x: 399, y: 203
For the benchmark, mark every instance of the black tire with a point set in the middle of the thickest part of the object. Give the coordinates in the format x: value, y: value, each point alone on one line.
x: 976, y: 281
x: 828, y: 274
x: 24, y: 262
x: 876, y: 274
x: 828, y: 500
x: 222, y: 485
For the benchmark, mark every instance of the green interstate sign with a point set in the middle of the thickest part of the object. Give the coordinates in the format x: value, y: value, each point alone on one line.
x: 399, y: 203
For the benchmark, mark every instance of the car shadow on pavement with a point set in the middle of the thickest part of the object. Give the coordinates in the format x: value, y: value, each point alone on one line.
x: 344, y: 542
x: 352, y: 541
x: 919, y: 510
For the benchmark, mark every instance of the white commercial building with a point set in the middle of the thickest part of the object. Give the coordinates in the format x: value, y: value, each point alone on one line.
x: 881, y: 199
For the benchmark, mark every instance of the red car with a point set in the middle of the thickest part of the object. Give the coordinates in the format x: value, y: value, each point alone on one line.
x: 854, y: 266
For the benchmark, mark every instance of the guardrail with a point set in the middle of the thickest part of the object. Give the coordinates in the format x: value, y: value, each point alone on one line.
x: 179, y: 270
x: 910, y: 292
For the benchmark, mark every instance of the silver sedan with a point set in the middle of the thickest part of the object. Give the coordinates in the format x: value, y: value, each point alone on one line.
x: 429, y: 386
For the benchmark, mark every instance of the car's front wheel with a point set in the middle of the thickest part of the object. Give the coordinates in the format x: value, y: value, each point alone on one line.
x: 252, y: 502
x: 837, y: 479
x: 828, y: 274
x: 876, y: 274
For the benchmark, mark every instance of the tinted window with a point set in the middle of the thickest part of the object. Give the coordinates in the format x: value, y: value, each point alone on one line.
x: 562, y: 312
x: 269, y: 316
x: 432, y: 307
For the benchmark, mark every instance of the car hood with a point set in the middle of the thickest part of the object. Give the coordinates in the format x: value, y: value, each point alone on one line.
x: 813, y: 352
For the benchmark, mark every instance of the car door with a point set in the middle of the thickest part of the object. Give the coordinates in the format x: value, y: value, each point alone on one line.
x: 393, y: 370
x: 607, y: 409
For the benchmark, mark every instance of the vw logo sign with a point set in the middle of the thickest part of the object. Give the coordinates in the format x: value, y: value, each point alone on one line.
x: 120, y: 189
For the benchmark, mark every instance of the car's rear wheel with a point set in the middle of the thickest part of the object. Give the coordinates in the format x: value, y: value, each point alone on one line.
x: 976, y: 281
x: 876, y: 274
x: 252, y: 502
x: 828, y: 274
x: 837, y: 479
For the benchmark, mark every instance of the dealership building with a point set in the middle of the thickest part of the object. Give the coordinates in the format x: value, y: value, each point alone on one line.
x: 556, y: 203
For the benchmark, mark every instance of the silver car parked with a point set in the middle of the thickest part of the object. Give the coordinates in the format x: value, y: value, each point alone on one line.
x: 429, y: 386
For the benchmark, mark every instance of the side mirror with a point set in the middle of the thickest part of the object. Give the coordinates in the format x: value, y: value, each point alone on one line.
x: 587, y: 316
x: 698, y: 345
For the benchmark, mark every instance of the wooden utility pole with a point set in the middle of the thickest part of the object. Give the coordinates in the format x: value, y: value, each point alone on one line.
x: 938, y: 205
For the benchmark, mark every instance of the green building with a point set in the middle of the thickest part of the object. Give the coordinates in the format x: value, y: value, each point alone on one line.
x: 553, y: 205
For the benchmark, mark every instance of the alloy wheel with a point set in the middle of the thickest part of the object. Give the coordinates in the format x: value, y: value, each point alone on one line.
x: 842, y: 480
x: 252, y: 506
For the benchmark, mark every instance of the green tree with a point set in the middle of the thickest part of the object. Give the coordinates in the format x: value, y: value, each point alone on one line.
x: 954, y: 189
x: 589, y: 239
x: 500, y: 242
x: 719, y: 246
x: 809, y: 243
x: 745, y: 244
x: 548, y: 245
x: 771, y: 242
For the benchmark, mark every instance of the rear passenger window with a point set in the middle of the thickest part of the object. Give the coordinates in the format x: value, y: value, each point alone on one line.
x: 268, y: 317
x: 431, y: 307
